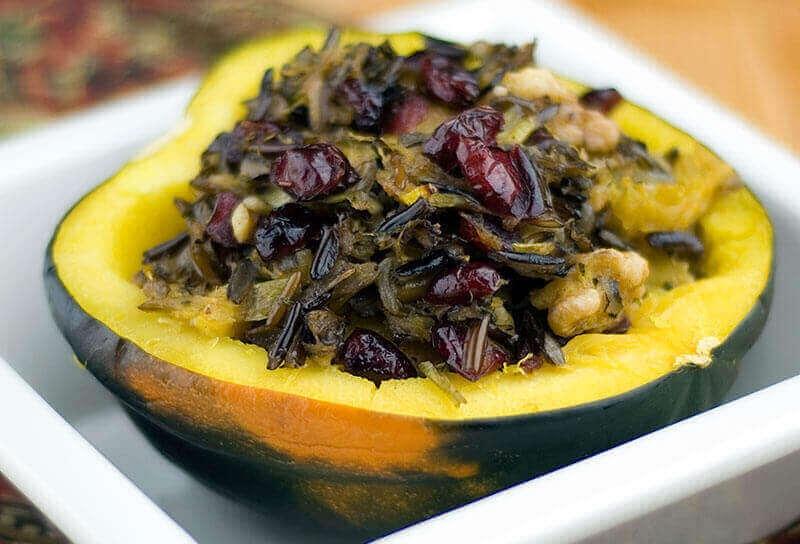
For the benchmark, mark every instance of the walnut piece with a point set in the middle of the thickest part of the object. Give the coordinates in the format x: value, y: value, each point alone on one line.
x: 243, y: 221
x: 586, y: 128
x: 533, y: 83
x: 596, y: 293
x: 573, y: 123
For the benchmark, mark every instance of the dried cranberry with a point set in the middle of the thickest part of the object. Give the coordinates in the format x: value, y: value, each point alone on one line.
x: 311, y: 170
x: 446, y: 80
x: 481, y: 123
x: 532, y: 362
x: 493, y: 358
x: 495, y: 177
x: 531, y: 330
x: 219, y: 227
x: 603, y: 100
x: 366, y: 103
x: 472, y: 232
x: 284, y: 231
x: 450, y: 342
x: 506, y: 181
x: 372, y: 356
x: 537, y: 344
x: 405, y: 113
x: 464, y: 284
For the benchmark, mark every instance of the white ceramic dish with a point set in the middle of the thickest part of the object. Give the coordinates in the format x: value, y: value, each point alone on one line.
x: 724, y: 476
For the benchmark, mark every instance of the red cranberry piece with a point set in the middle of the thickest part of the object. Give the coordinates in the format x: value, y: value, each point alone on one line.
x: 603, y: 100
x: 450, y: 342
x: 536, y: 344
x: 471, y: 232
x: 405, y: 113
x: 494, y: 176
x: 219, y: 227
x: 531, y: 329
x: 311, y: 170
x: 534, y: 362
x: 506, y: 182
x: 446, y: 80
x: 464, y: 284
x: 494, y: 357
x: 284, y: 231
x: 481, y: 123
x: 366, y: 103
x: 371, y: 356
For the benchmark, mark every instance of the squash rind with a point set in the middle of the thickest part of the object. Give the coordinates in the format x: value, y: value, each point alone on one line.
x: 469, y: 459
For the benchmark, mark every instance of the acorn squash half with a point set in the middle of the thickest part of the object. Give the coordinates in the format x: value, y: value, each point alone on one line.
x: 381, y: 458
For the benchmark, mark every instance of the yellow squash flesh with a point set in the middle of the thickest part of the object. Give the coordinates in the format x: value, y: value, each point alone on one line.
x: 98, y: 248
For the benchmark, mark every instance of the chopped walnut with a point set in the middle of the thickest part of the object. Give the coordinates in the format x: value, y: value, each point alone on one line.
x: 586, y: 128
x: 243, y: 221
x: 600, y: 134
x: 596, y: 294
x: 532, y: 83
x: 498, y: 91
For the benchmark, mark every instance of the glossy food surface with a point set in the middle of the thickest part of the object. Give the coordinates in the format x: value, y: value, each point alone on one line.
x: 672, y: 328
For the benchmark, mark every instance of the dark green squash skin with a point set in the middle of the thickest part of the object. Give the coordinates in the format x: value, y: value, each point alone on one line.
x: 507, y: 450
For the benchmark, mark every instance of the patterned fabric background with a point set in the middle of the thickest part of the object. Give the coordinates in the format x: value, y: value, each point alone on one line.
x: 56, y: 55
x: 22, y: 523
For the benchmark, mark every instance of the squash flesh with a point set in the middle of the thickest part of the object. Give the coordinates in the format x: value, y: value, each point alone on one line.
x: 642, y: 208
x: 98, y: 247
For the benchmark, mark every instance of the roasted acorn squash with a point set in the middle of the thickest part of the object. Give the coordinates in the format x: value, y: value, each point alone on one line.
x: 382, y: 458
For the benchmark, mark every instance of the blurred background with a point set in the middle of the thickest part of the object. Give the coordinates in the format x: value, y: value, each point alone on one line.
x: 57, y: 56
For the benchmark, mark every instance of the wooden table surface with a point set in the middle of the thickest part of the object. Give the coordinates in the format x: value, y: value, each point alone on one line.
x: 742, y: 52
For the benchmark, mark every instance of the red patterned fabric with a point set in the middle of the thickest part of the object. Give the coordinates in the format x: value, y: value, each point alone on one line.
x: 56, y: 55
x: 21, y: 522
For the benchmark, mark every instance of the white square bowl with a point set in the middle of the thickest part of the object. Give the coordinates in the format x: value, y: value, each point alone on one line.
x: 723, y: 476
